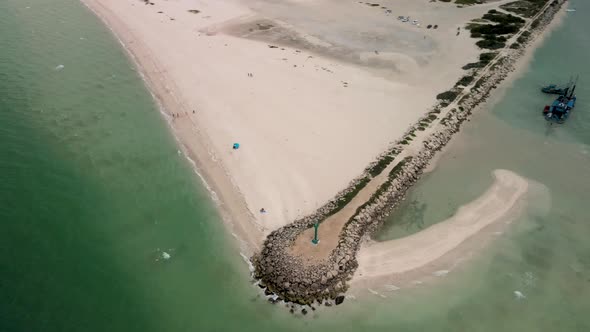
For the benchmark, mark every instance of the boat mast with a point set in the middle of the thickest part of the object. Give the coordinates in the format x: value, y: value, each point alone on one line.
x: 567, y: 87
x: 574, y: 87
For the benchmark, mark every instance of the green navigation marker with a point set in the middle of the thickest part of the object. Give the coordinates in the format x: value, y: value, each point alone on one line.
x: 315, y: 237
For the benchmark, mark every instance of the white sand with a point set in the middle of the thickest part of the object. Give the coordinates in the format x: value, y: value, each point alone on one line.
x: 303, y: 134
x: 395, y: 257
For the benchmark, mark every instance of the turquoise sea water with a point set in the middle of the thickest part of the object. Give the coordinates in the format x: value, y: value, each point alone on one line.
x: 92, y: 189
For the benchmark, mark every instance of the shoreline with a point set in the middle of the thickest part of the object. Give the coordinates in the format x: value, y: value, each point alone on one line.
x: 230, y: 201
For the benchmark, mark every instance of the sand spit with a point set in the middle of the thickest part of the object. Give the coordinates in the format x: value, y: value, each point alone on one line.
x: 395, y: 257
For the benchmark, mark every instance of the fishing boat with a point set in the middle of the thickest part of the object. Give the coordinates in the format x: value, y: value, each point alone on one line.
x: 560, y: 109
x: 557, y: 89
x: 553, y: 89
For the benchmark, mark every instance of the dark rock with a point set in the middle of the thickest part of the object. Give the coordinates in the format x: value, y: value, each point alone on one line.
x: 339, y: 299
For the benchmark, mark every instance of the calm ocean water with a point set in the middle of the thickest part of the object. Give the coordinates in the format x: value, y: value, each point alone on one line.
x: 93, y: 189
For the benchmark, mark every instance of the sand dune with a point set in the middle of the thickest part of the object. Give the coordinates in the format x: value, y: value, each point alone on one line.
x: 396, y: 257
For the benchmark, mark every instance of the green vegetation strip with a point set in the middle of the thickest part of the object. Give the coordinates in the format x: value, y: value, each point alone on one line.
x: 381, y: 165
x: 484, y: 59
x: 346, y: 198
x: 468, y: 2
x: 494, y: 36
x: 465, y: 80
x: 372, y: 171
x: 448, y: 95
x: 383, y: 187
x: 525, y: 8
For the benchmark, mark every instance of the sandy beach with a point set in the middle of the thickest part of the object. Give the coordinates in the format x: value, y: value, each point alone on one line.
x: 299, y: 96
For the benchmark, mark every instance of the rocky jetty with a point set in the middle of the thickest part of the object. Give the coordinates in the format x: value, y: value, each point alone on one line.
x: 290, y: 280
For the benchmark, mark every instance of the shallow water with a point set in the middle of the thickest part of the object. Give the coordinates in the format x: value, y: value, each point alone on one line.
x: 93, y: 189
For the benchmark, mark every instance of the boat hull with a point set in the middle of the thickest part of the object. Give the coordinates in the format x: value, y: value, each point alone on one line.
x: 560, y: 110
